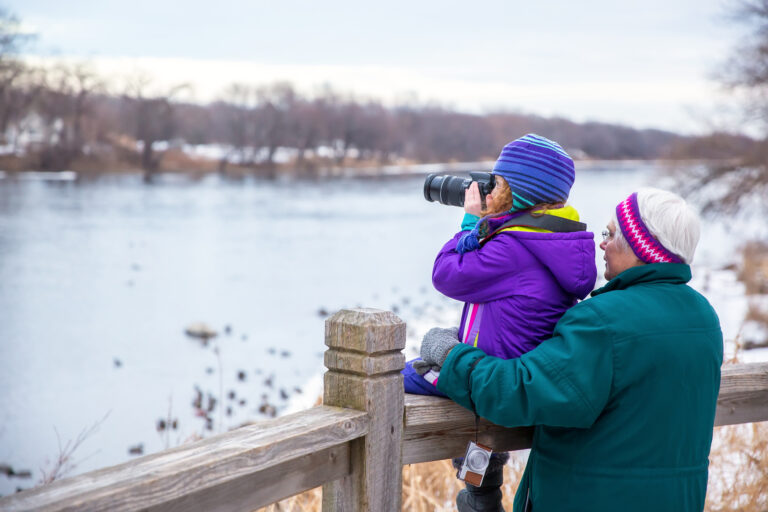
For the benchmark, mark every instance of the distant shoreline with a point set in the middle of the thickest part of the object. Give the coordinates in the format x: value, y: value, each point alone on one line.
x: 366, y: 170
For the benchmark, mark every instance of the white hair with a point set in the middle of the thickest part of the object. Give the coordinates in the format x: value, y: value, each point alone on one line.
x: 669, y: 218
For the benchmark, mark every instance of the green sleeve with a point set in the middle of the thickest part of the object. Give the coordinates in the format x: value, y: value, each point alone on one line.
x: 469, y: 222
x: 564, y: 382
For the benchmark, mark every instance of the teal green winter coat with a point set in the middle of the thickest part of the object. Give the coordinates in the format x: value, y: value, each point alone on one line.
x: 623, y: 397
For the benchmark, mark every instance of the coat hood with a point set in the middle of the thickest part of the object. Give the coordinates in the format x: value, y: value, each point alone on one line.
x: 570, y: 257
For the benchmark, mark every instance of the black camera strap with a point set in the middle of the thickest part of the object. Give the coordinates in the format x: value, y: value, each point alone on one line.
x: 548, y: 222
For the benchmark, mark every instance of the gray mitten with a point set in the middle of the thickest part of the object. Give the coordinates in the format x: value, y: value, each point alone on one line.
x: 422, y: 367
x: 437, y: 343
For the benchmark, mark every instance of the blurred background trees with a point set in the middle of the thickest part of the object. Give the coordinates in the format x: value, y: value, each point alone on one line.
x: 65, y: 116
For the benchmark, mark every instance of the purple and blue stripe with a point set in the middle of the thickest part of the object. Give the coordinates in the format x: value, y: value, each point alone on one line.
x: 537, y: 170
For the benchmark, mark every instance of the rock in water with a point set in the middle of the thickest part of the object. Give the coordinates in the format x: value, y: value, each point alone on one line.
x: 201, y: 331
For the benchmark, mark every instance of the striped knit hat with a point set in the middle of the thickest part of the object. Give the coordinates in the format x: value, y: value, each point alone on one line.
x: 537, y: 170
x: 646, y: 247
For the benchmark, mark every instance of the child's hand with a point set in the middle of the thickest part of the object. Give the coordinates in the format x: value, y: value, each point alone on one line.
x: 422, y: 367
x: 473, y: 205
x: 437, y: 343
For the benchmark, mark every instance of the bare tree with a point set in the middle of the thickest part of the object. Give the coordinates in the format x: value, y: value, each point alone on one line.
x: 151, y: 115
x: 746, y: 70
x: 346, y: 118
x: 276, y: 104
x: 256, y: 122
x: 236, y: 113
x: 308, y: 127
x: 65, y: 462
x: 746, y: 74
x: 11, y: 68
x: 65, y: 104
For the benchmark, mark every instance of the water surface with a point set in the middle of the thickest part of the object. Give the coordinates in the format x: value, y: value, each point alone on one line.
x: 99, y: 279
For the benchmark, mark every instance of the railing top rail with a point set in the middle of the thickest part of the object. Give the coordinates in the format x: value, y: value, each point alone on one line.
x: 438, y: 428
x: 267, y: 461
x: 229, y: 471
x: 743, y: 394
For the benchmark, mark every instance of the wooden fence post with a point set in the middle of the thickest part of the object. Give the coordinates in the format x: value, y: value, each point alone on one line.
x: 364, y: 360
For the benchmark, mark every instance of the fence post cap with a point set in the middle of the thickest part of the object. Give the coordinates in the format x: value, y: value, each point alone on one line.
x: 365, y: 330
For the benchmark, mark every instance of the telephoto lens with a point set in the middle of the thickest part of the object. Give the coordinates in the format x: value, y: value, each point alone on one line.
x: 449, y: 190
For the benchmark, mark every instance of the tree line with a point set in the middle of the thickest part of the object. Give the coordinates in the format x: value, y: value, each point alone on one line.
x: 66, y: 116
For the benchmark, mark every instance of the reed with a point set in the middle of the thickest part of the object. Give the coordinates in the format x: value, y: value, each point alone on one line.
x: 738, y: 469
x: 427, y: 487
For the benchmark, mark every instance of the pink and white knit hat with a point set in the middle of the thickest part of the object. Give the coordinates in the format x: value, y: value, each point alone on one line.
x: 645, y: 246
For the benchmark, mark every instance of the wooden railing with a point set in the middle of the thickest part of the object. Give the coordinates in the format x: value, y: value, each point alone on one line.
x: 354, y: 445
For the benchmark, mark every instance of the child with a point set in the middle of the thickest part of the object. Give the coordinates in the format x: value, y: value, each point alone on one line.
x: 515, y: 281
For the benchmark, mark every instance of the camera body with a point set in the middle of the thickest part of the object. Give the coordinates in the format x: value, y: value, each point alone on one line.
x: 449, y: 190
x: 475, y: 464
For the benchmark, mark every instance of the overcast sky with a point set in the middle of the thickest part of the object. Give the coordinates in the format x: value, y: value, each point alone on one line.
x: 645, y: 64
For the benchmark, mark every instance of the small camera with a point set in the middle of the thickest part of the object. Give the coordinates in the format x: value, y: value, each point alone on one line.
x: 475, y: 464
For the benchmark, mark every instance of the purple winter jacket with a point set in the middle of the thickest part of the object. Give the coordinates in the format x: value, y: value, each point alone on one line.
x: 516, y: 286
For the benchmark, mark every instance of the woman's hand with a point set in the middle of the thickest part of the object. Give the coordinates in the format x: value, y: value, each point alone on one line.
x: 473, y: 205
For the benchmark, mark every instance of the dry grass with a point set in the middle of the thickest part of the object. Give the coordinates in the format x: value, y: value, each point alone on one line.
x: 757, y: 313
x: 738, y: 470
x: 754, y: 268
x: 65, y: 462
x: 427, y: 487
x: 738, y: 478
x: 753, y: 273
x: 738, y: 461
x: 738, y: 465
x: 175, y: 160
x: 307, y: 501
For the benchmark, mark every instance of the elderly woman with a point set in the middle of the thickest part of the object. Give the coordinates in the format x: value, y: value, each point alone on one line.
x: 623, y: 395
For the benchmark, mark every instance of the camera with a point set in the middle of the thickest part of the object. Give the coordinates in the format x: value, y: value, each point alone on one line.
x: 475, y: 463
x: 450, y: 189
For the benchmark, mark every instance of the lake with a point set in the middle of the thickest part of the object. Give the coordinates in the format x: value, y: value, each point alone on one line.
x: 99, y: 279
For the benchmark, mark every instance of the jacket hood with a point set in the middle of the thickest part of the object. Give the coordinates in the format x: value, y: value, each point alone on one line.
x: 569, y: 256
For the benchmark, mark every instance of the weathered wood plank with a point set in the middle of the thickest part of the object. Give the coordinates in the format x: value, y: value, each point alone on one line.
x: 437, y: 428
x: 743, y: 394
x: 236, y: 471
x: 364, y: 362
x: 264, y: 487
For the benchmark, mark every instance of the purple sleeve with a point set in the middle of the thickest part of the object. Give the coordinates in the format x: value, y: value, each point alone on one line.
x: 474, y: 276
